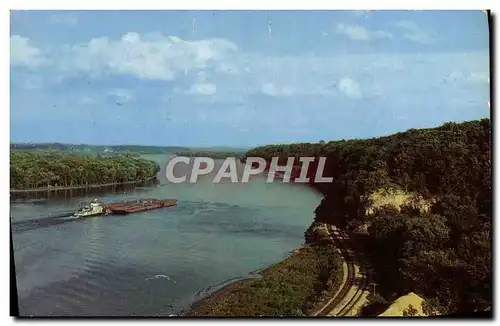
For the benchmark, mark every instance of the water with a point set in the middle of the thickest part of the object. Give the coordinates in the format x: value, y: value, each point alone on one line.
x: 153, y: 263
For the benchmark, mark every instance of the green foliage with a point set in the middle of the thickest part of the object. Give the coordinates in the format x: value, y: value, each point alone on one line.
x: 443, y: 254
x: 290, y: 288
x: 377, y: 304
x: 376, y: 299
x: 33, y: 169
x: 410, y: 311
x: 211, y: 154
x: 432, y: 307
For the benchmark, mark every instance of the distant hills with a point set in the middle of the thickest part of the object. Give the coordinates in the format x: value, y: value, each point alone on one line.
x: 219, y: 149
x: 118, y: 149
x: 91, y: 149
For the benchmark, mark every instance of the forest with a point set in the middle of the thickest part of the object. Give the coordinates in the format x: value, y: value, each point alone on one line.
x: 211, y: 154
x: 442, y: 251
x: 37, y: 169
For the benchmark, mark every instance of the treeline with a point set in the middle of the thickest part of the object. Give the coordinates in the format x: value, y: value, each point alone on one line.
x: 33, y: 169
x: 123, y: 149
x: 443, y: 251
x: 214, y: 155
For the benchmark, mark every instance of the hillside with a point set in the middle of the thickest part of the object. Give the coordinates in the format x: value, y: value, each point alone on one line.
x: 424, y: 198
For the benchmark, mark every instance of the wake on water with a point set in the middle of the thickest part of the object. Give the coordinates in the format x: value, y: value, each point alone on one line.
x: 47, y: 221
x: 158, y: 276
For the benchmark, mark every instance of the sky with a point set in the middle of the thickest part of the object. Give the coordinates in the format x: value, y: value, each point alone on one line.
x: 242, y: 78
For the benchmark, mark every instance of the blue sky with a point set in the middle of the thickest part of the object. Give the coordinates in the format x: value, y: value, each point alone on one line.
x: 204, y: 78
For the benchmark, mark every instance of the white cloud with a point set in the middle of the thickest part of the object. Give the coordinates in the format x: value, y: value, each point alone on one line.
x: 407, y: 24
x: 414, y: 33
x: 33, y: 82
x: 87, y: 100
x: 23, y: 54
x: 202, y: 86
x: 349, y: 87
x: 468, y: 78
x: 272, y: 90
x: 202, y: 89
x: 122, y: 95
x: 478, y: 77
x: 202, y: 64
x: 366, y: 75
x: 201, y: 76
x: 150, y: 56
x: 63, y: 18
x: 227, y: 68
x: 359, y: 33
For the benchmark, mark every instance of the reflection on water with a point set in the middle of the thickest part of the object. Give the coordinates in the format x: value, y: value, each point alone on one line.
x: 41, y: 196
x: 108, y: 265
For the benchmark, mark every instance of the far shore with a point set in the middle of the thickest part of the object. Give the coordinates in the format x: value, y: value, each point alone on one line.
x: 46, y: 189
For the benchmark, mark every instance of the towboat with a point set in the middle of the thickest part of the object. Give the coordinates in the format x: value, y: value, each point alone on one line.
x: 94, y: 208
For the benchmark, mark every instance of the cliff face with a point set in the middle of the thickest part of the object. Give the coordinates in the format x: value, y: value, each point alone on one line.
x: 407, y: 305
x: 392, y: 198
x: 396, y: 198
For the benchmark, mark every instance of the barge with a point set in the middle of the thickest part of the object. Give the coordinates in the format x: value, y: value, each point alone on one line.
x: 140, y: 205
x: 122, y: 207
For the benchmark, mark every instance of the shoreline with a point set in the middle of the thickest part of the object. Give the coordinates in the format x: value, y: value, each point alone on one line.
x: 215, y: 295
x: 280, y: 280
x: 222, y: 288
x: 218, y: 294
x: 48, y: 189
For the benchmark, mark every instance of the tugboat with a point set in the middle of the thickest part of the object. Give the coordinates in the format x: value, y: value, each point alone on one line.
x: 95, y: 208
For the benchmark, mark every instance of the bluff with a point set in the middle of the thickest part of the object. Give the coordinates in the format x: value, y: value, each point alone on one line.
x: 424, y: 198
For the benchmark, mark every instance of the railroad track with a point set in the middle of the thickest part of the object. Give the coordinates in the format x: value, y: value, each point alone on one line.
x: 342, y: 298
x: 362, y: 281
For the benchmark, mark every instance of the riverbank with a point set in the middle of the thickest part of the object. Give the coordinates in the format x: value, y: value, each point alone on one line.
x: 45, y: 189
x: 295, y: 286
x: 33, y: 171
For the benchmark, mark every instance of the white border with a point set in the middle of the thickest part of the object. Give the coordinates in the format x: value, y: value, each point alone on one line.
x: 185, y: 4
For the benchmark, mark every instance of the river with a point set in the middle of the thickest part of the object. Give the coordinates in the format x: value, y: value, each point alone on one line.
x: 153, y: 263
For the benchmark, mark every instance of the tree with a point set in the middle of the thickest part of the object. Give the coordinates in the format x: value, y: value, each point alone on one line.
x: 30, y: 169
x: 410, y: 311
x: 445, y: 254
